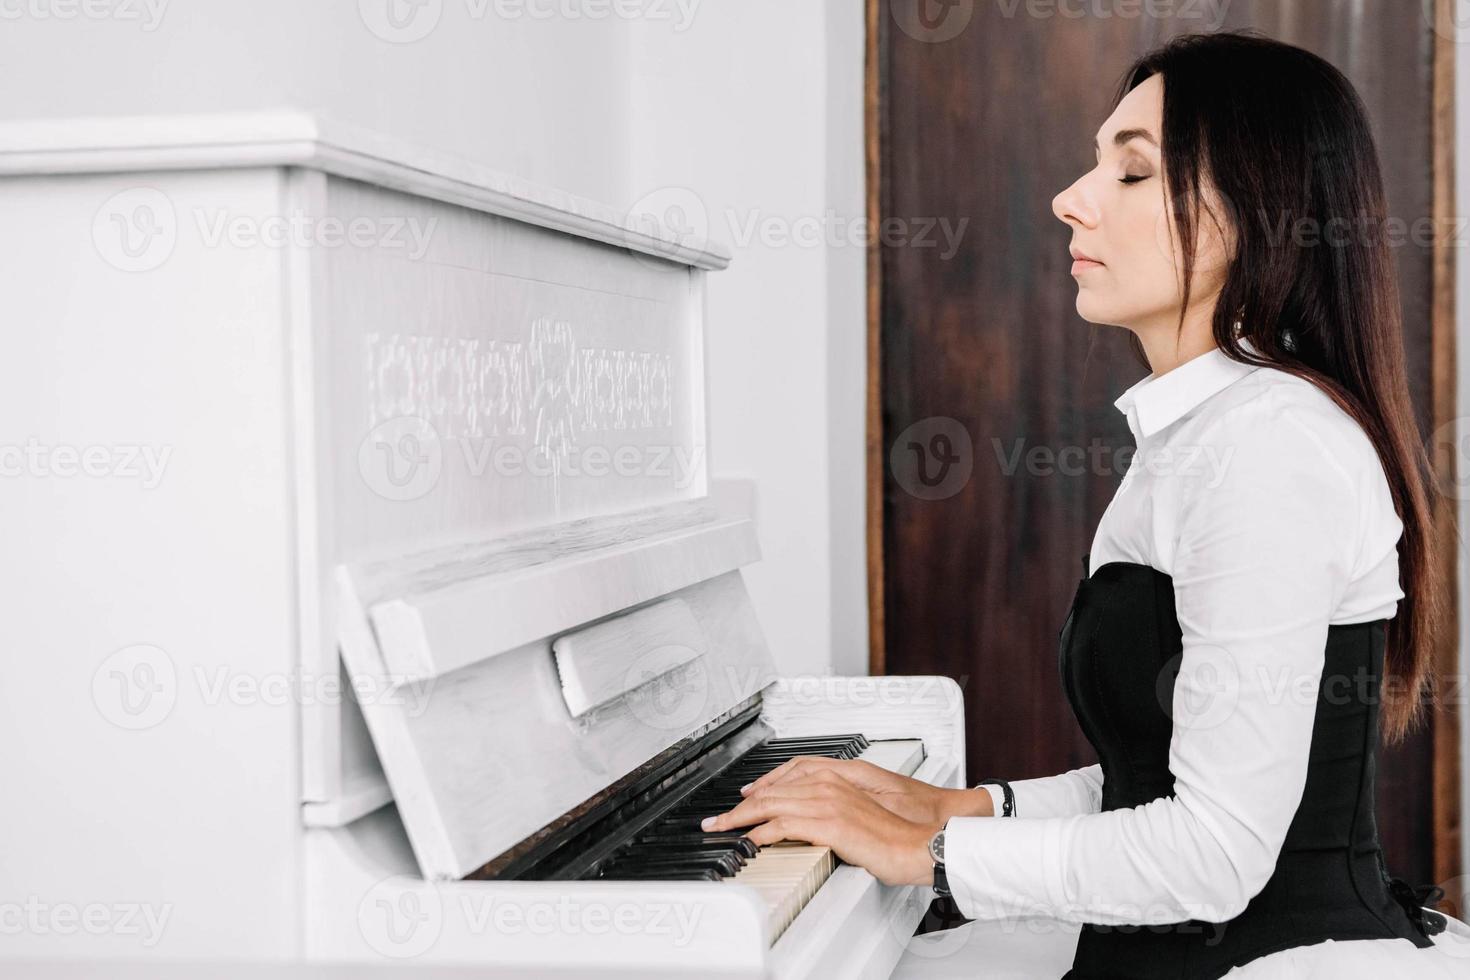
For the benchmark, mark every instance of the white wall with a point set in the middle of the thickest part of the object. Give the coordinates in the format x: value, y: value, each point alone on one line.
x: 542, y: 99
x: 736, y: 110
x: 751, y: 121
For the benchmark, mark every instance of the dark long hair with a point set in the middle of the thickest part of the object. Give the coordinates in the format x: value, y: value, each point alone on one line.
x: 1282, y: 135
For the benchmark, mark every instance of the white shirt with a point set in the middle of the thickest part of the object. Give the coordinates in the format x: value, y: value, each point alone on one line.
x: 1268, y: 506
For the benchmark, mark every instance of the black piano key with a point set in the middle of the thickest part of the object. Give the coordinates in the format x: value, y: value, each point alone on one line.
x: 808, y: 746
x: 739, y: 842
x: 710, y: 805
x: 656, y: 849
x: 802, y: 740
x: 687, y: 823
x: 674, y: 847
x: 728, y: 861
x: 726, y: 786
x: 662, y: 874
x: 726, y: 864
x: 774, y: 759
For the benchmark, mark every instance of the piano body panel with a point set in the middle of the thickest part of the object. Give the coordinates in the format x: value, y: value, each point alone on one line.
x: 855, y: 926
x: 535, y: 378
x: 366, y: 901
x: 152, y: 600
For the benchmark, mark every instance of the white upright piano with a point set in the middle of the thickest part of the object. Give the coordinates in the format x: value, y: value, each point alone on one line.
x: 369, y: 596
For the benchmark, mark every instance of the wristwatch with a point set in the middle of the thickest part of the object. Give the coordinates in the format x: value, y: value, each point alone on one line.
x: 936, y: 852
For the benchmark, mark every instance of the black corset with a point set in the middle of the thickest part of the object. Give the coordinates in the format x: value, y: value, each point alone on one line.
x: 1119, y: 655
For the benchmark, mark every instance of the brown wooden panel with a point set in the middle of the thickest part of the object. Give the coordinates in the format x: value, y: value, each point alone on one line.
x: 984, y: 127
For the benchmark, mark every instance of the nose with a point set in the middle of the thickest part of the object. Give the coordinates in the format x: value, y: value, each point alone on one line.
x: 1073, y: 206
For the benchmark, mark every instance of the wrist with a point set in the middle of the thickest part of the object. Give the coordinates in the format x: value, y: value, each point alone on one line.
x: 906, y: 854
x: 940, y: 870
x: 975, y: 802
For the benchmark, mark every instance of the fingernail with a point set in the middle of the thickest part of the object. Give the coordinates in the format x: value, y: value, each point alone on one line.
x: 746, y: 788
x: 708, y: 823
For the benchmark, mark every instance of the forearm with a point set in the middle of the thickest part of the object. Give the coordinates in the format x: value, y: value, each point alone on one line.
x: 1070, y: 793
x: 975, y: 802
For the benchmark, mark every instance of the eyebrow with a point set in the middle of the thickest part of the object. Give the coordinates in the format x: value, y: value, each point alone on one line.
x: 1122, y: 136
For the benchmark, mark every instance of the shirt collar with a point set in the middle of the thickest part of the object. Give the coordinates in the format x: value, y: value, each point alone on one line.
x: 1161, y: 399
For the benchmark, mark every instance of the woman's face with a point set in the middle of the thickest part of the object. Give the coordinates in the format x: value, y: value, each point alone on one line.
x: 1119, y: 216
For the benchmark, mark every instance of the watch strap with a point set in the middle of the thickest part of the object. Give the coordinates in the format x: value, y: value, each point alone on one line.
x: 941, y: 882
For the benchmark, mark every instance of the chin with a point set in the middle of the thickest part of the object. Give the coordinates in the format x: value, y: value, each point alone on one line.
x: 1089, y: 309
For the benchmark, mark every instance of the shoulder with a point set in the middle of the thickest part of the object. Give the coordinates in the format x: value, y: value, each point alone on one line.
x: 1272, y: 418
x: 1286, y: 477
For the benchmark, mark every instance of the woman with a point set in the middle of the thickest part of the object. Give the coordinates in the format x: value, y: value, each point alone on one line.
x: 1240, y: 633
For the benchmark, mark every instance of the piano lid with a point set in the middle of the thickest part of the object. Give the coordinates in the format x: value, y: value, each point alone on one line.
x: 453, y: 656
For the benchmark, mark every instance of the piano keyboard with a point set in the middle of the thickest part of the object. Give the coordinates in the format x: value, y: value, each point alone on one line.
x: 786, y: 875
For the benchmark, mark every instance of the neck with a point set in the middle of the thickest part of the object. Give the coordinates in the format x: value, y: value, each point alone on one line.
x: 1167, y: 346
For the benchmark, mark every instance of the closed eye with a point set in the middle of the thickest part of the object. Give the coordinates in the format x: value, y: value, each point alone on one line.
x: 1133, y: 179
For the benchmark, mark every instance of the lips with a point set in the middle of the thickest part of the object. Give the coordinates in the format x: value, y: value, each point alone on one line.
x: 1082, y: 262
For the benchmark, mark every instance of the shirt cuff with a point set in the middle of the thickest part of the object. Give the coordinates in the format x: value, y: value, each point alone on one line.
x: 997, y: 797
x: 1002, y: 869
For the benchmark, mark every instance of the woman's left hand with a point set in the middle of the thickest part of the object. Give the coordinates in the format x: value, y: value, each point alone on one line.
x: 823, y: 808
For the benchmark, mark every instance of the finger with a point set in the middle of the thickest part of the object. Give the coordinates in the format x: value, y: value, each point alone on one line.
x: 746, y: 813
x: 847, y: 772
x: 803, y: 830
x: 756, y: 809
x: 771, y: 776
x: 800, y: 765
x: 770, y: 832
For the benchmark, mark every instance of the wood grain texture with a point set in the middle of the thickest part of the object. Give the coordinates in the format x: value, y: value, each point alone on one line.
x: 1448, y: 843
x: 987, y: 126
x: 873, y: 75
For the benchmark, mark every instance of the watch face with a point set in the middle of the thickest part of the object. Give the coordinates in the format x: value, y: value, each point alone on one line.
x: 936, y: 847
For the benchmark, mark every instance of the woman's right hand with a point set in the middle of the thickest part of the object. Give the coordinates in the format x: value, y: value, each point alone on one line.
x: 911, y: 799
